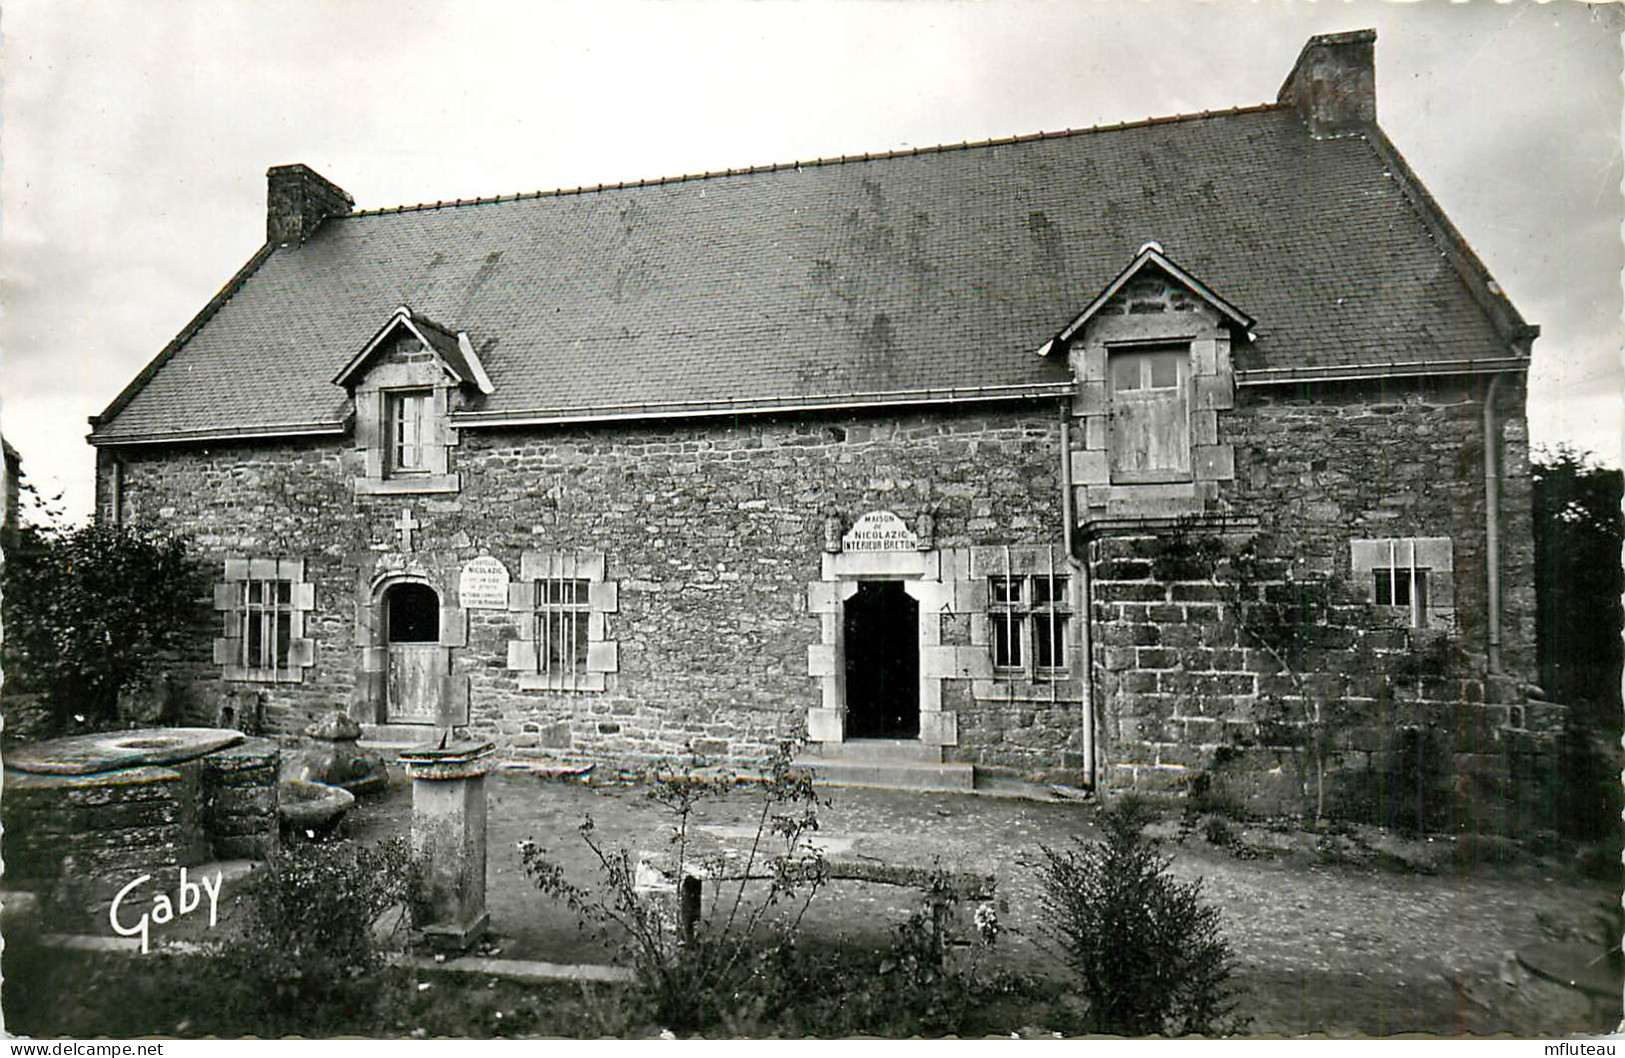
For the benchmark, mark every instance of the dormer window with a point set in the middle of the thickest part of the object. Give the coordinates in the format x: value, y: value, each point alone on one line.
x: 406, y: 381
x: 410, y: 428
x: 1151, y: 357
x: 1150, y: 415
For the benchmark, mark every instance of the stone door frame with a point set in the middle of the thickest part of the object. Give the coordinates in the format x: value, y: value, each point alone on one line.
x: 370, y: 700
x: 922, y: 575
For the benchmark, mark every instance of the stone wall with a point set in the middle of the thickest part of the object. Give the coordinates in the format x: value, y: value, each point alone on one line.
x: 1188, y: 690
x: 712, y: 531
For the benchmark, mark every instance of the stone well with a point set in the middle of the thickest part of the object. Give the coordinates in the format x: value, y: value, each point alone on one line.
x: 88, y: 813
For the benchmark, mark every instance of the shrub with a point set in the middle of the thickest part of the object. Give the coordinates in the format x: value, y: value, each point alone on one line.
x: 708, y: 977
x: 89, y: 611
x: 308, y: 959
x: 1148, y: 953
x: 932, y: 978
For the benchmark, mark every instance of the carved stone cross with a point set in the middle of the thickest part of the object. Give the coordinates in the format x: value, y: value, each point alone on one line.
x: 405, y: 525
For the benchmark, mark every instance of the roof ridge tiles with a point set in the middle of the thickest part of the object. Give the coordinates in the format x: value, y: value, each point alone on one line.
x: 845, y: 159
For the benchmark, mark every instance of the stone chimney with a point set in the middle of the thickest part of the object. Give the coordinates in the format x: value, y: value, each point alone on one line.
x: 1333, y: 87
x: 297, y: 200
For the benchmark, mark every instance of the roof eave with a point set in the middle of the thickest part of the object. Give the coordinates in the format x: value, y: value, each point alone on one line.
x: 698, y: 409
x: 317, y: 428
x: 1285, y: 376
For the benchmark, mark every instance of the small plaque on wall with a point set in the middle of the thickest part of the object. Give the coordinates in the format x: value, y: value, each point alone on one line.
x: 880, y: 531
x: 483, y: 585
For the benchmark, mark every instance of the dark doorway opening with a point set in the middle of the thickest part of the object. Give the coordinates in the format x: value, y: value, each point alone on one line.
x: 882, y: 662
x: 417, y: 662
x: 412, y: 614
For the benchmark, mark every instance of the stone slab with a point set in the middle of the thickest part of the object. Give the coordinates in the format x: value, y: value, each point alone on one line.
x: 114, y: 750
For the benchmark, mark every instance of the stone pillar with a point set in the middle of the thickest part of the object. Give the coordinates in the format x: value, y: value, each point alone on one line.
x: 448, y: 841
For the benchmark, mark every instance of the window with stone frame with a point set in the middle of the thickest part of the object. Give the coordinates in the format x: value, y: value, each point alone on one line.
x: 1028, y: 620
x: 263, y: 603
x: 411, y: 431
x: 562, y: 604
x: 1150, y: 414
x: 1409, y: 577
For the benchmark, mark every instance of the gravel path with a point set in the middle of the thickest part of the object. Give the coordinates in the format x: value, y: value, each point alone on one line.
x: 1337, y: 948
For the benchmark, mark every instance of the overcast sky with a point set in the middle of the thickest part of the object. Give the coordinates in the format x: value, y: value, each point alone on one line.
x: 136, y: 135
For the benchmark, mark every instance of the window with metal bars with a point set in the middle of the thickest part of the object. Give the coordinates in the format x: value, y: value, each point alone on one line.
x: 1404, y: 588
x: 267, y: 624
x: 1028, y: 622
x: 562, y: 614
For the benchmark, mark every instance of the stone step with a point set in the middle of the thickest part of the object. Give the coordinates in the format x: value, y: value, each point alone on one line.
x: 891, y: 774
x: 877, y: 749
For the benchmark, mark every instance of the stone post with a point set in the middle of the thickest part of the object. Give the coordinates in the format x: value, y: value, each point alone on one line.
x: 448, y: 842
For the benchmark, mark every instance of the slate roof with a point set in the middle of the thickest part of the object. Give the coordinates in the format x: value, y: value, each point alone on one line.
x: 883, y: 275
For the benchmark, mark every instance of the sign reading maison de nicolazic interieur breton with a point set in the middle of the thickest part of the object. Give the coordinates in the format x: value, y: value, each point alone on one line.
x: 483, y: 584
x: 880, y: 531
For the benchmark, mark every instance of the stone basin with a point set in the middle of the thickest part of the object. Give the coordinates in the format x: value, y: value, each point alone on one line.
x: 116, y: 750
x: 311, y: 806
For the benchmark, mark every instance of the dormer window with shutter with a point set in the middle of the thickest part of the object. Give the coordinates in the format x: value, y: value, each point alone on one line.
x: 1151, y: 354
x: 405, y: 382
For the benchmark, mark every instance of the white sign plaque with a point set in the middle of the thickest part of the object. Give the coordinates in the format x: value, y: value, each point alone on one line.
x: 880, y: 531
x: 483, y: 585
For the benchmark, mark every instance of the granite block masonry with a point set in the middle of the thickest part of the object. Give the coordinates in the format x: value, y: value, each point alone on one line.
x: 602, y: 503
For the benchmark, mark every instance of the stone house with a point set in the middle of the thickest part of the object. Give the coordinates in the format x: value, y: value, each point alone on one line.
x: 887, y: 450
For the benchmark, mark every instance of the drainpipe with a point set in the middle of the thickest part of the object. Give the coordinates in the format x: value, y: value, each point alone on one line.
x: 116, y: 493
x: 1080, y: 570
x: 1492, y: 523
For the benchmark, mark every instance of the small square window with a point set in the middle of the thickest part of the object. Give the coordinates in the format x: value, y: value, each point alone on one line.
x: 1028, y: 623
x: 1404, y: 587
x: 1048, y: 590
x: 1005, y: 589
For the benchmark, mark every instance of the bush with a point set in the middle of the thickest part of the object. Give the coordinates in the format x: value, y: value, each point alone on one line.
x: 89, y: 611
x: 709, y: 977
x: 1149, y: 954
x: 1589, y: 797
x: 308, y: 959
x: 933, y: 978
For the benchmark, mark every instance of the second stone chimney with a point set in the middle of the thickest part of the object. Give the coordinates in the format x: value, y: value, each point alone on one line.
x: 297, y: 200
x: 1333, y: 87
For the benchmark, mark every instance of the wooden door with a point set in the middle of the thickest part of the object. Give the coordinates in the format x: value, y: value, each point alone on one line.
x: 414, y: 683
x: 416, y: 658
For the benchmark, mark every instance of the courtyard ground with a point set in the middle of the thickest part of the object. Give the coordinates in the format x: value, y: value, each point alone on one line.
x: 1345, y: 936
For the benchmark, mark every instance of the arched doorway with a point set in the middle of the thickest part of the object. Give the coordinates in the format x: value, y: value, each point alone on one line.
x: 411, y: 613
x: 882, y: 627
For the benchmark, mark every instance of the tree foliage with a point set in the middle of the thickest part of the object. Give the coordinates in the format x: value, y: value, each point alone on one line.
x: 1148, y: 952
x: 89, y: 611
x: 1578, y: 534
